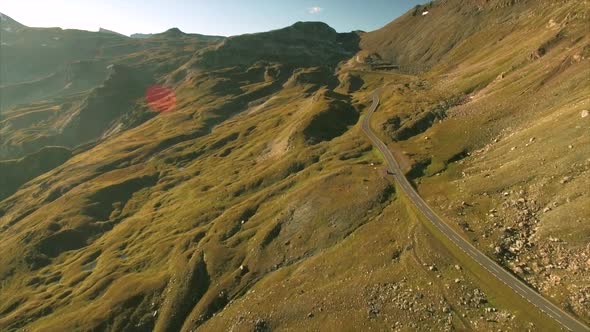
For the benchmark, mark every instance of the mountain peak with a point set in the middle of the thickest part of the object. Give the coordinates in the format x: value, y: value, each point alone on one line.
x: 311, y: 25
x: 303, y: 43
x: 102, y: 30
x: 174, y: 32
x: 8, y: 23
x: 314, y: 28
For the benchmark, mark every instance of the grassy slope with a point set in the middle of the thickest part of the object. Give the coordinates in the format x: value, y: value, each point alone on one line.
x: 18, y: 172
x: 521, y: 97
x: 60, y: 98
x: 293, y: 223
x: 225, y: 214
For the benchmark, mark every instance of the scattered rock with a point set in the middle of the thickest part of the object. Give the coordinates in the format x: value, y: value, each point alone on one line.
x: 244, y: 269
x: 478, y: 297
x: 372, y: 311
x: 260, y: 325
x: 555, y: 279
x: 584, y: 113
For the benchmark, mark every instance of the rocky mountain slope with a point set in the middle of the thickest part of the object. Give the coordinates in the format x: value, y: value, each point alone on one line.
x: 256, y: 203
x: 70, y: 87
x: 497, y: 133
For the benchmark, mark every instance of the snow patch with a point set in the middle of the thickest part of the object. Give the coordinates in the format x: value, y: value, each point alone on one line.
x: 424, y: 13
x: 7, y: 29
x: 44, y: 45
x: 56, y: 38
x: 4, y: 44
x: 68, y: 86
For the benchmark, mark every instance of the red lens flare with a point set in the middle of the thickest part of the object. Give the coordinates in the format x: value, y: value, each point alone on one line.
x: 160, y: 99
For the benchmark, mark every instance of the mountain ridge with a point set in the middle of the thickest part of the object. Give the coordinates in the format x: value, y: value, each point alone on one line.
x: 6, y: 22
x: 257, y: 202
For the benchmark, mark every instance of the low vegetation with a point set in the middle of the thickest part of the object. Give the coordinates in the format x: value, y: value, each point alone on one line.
x: 257, y: 203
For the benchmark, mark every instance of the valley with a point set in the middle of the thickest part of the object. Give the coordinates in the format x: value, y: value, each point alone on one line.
x: 283, y: 181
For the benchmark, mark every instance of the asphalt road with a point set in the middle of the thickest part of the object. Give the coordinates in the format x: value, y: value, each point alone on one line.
x: 493, y: 268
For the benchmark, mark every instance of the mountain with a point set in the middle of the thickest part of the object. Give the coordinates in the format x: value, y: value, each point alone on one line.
x: 101, y: 30
x: 50, y: 78
x: 175, y: 32
x: 302, y: 44
x: 8, y: 25
x: 141, y: 35
x: 493, y: 129
x: 226, y: 184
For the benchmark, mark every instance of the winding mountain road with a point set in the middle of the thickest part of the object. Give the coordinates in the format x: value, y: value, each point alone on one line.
x: 491, y: 266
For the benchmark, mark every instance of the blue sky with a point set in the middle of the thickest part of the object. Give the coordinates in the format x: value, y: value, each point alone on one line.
x: 217, y: 17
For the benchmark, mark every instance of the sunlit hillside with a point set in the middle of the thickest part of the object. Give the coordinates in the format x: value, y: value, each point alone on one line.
x: 182, y: 182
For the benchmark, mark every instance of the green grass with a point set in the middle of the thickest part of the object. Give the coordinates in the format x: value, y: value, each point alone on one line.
x: 499, y: 294
x: 228, y: 195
